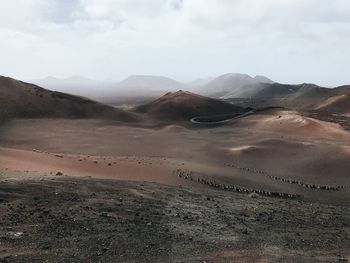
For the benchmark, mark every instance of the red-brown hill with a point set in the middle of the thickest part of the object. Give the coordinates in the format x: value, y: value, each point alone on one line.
x: 24, y: 100
x: 182, y: 105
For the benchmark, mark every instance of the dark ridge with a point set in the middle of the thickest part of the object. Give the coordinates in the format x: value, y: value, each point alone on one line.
x: 24, y: 100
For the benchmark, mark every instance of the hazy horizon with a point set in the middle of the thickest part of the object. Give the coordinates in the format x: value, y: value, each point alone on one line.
x: 291, y: 41
x: 78, y: 79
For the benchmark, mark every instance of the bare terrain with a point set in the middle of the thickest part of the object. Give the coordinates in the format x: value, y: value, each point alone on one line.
x: 89, y: 220
x: 148, y: 185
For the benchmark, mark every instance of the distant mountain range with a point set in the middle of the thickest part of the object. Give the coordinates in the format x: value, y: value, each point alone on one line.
x: 233, y: 85
x: 228, y: 85
x: 78, y: 85
x: 110, y: 91
x: 151, y: 83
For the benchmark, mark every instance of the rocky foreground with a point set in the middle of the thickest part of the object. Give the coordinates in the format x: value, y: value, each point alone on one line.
x: 87, y: 220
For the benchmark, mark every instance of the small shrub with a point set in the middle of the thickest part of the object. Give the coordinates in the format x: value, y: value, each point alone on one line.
x: 253, y: 195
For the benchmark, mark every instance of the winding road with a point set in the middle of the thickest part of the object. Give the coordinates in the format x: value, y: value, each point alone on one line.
x: 195, y: 121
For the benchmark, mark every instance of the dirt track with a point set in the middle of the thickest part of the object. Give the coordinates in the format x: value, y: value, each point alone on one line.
x: 87, y: 220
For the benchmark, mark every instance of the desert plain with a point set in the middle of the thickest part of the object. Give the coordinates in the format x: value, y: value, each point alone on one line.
x: 270, y: 184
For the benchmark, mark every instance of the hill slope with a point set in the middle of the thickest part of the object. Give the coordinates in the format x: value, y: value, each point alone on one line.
x: 338, y: 103
x: 23, y: 100
x: 183, y: 105
x: 302, y: 96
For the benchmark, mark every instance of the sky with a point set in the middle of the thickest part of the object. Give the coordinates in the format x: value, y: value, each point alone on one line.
x: 289, y: 41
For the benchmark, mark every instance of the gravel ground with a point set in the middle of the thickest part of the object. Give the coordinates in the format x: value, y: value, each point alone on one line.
x: 88, y: 220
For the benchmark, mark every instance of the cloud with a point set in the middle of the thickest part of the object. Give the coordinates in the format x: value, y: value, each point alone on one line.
x: 288, y: 40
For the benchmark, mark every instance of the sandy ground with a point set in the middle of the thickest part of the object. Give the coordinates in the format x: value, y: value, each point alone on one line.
x: 266, y: 151
x: 282, y: 144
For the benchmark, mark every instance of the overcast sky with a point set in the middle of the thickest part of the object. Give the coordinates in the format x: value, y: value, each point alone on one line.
x: 290, y: 41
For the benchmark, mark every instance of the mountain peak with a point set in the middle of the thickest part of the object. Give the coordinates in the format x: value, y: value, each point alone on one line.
x: 263, y: 79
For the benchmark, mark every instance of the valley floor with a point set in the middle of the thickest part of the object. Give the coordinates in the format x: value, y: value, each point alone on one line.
x: 97, y: 191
